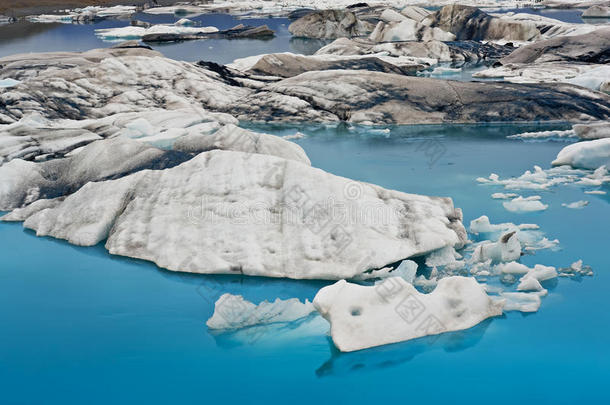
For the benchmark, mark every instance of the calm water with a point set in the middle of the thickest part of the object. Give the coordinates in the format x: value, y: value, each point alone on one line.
x: 26, y: 37
x: 81, y: 326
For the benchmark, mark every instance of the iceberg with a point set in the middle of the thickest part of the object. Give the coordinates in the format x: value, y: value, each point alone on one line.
x: 576, y: 205
x: 525, y: 204
x: 586, y: 155
x: 361, y: 317
x: 507, y: 249
x: 132, y: 32
x: 242, y: 213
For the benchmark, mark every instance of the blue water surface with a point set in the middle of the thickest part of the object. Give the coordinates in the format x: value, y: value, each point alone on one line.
x: 81, y: 37
x: 80, y: 326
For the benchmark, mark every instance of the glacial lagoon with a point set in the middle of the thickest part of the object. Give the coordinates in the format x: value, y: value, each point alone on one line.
x: 91, y: 327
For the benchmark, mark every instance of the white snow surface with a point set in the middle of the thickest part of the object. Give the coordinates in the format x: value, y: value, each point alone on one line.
x: 525, y: 204
x: 130, y: 32
x: 393, y: 311
x: 240, y: 213
x: 586, y: 155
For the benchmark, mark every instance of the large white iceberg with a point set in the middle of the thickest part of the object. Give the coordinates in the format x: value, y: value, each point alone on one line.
x: 134, y: 32
x: 244, y: 213
x: 586, y: 155
x: 393, y: 311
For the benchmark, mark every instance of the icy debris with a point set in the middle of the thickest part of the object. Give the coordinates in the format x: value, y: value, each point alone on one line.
x: 525, y: 204
x: 539, y: 273
x: 184, y: 22
x: 544, y: 135
x: 513, y: 268
x: 521, y: 301
x: 530, y: 236
x: 576, y: 269
x: 234, y: 312
x: 483, y: 225
x: 507, y: 249
x: 83, y: 15
x: 538, y: 179
x: 395, y: 311
x: 296, y: 135
x: 586, y: 154
x: 596, y: 192
x: 529, y: 284
x: 503, y: 196
x: 576, y: 204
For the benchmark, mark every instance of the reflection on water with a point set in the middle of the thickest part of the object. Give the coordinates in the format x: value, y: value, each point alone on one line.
x: 393, y: 355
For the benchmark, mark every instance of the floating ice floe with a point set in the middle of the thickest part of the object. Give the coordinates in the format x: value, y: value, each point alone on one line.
x: 521, y: 301
x: 576, y: 204
x: 576, y: 269
x: 198, y: 216
x: 543, y: 135
x: 529, y: 235
x: 393, y: 311
x: 507, y: 249
x: 525, y: 204
x: 586, y: 154
x: 543, y: 179
x: 503, y: 196
x: 131, y: 32
x: 86, y: 14
x: 234, y: 312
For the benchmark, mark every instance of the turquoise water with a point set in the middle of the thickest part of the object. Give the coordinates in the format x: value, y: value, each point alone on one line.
x: 80, y: 326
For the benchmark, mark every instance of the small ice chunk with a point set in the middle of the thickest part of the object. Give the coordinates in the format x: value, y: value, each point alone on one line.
x: 527, y: 204
x: 512, y: 268
x: 296, y: 135
x: 234, y: 312
x: 586, y: 154
x: 503, y: 196
x: 576, y: 205
x: 596, y: 192
x: 507, y: 249
x: 520, y: 301
x: 529, y: 284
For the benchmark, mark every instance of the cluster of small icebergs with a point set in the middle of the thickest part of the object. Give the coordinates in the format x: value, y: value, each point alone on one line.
x: 86, y: 14
x: 458, y: 294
